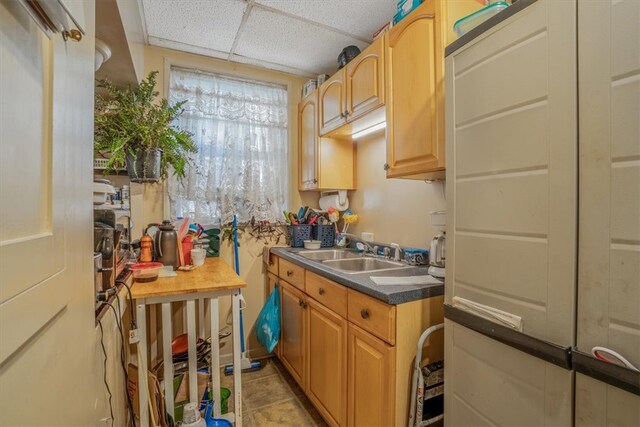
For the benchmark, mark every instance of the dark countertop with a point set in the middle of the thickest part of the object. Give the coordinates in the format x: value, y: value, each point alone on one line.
x: 488, y: 24
x: 394, y: 294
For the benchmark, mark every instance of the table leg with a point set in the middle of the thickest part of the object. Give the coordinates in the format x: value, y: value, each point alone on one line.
x: 143, y: 391
x: 167, y: 358
x: 201, y: 318
x: 215, y: 356
x: 193, y: 362
x: 237, y: 365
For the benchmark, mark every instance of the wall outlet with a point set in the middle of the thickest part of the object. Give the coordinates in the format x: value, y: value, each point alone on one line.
x: 367, y: 237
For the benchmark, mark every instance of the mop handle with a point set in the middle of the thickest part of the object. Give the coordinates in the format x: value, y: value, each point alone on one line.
x: 237, y: 264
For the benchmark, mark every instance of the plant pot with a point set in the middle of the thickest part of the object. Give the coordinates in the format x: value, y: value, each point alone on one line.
x: 145, y: 166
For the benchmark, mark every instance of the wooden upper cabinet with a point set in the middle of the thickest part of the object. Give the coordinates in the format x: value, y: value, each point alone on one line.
x: 415, y: 103
x: 308, y: 142
x: 323, y: 163
x: 365, y: 81
x: 332, y: 106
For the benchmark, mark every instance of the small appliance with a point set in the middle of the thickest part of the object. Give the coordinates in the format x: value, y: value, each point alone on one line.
x: 437, y: 252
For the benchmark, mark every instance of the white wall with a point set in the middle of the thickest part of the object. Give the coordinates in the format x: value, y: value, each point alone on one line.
x: 395, y: 210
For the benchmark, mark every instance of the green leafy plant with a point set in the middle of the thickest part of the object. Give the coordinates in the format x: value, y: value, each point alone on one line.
x: 132, y: 119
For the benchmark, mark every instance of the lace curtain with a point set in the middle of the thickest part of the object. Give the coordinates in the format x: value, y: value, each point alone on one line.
x: 242, y: 163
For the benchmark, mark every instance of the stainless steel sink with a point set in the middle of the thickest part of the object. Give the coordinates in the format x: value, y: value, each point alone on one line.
x: 364, y: 265
x: 329, y: 254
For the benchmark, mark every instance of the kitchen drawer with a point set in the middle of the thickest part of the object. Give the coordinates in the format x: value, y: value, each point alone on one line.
x: 329, y: 293
x: 372, y: 315
x: 272, y: 265
x: 291, y: 273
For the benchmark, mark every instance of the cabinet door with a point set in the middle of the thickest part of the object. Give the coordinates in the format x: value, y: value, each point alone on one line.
x: 308, y: 143
x: 365, y: 81
x: 292, y: 304
x: 609, y: 201
x: 415, y: 105
x: 327, y: 362
x: 272, y: 281
x: 332, y: 103
x: 371, y: 390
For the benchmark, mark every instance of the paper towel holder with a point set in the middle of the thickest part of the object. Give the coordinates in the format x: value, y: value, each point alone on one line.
x: 343, y: 200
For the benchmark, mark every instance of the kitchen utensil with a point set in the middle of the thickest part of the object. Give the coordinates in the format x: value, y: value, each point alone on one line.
x: 146, y: 271
x: 97, y: 273
x: 187, y: 247
x: 166, y: 245
x: 469, y: 22
x: 312, y: 244
x: 146, y: 243
x: 347, y: 54
x: 198, y: 256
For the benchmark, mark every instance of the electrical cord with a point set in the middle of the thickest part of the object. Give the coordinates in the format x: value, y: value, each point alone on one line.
x: 134, y: 324
x: 104, y: 373
x: 122, y: 358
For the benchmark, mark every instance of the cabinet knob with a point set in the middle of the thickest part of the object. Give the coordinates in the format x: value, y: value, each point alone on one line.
x: 386, y: 166
x: 346, y: 113
x: 302, y: 304
x: 364, y: 313
x: 315, y: 181
x: 321, y: 291
x: 289, y: 273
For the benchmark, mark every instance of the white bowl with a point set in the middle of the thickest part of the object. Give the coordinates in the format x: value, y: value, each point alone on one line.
x: 312, y: 244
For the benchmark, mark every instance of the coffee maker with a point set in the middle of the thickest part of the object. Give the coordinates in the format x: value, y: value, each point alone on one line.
x: 437, y: 252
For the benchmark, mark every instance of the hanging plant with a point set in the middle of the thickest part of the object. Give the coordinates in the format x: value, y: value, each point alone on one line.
x: 134, y: 129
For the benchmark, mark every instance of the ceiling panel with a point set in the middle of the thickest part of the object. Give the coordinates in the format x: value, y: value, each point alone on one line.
x: 210, y: 24
x: 360, y: 18
x: 290, y: 42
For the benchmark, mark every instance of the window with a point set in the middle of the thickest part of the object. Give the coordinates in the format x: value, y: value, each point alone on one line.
x: 242, y: 163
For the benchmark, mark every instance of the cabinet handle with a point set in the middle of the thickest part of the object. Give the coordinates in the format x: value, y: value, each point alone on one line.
x: 302, y: 304
x: 342, y: 116
x: 364, y: 313
x: 321, y: 291
x: 346, y: 113
x: 315, y: 181
x: 386, y: 166
x: 289, y: 273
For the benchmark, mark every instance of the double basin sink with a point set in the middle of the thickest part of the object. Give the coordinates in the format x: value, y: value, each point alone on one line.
x: 351, y: 262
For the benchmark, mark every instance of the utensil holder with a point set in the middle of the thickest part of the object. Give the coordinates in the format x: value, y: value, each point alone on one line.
x: 326, y: 234
x: 298, y: 233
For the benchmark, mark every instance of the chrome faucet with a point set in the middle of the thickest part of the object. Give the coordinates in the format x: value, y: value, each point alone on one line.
x: 369, y: 249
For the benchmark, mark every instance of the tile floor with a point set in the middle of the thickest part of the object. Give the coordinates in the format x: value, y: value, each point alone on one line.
x: 271, y: 397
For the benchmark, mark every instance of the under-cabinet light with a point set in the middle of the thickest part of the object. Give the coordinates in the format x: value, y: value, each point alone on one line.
x: 370, y: 130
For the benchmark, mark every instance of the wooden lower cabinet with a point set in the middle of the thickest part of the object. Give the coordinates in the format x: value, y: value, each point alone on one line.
x: 371, y: 384
x: 293, y: 331
x: 350, y: 353
x: 327, y: 362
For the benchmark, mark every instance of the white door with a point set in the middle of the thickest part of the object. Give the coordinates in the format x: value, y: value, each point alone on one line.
x: 46, y: 280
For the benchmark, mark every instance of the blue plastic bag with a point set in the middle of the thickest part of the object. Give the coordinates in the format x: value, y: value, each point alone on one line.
x: 268, y: 323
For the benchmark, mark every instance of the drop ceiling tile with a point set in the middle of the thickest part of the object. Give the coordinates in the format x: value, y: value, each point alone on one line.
x: 287, y: 41
x: 273, y: 66
x: 360, y: 18
x: 210, y: 24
